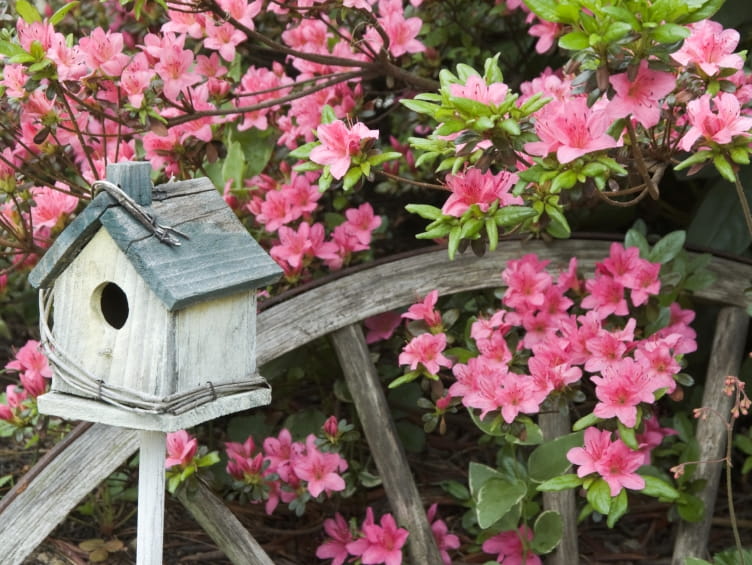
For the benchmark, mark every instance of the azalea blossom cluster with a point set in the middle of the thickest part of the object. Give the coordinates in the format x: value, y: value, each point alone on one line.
x: 577, y: 128
x: 172, y: 94
x: 378, y: 543
x: 553, y: 332
x: 283, y: 470
x: 34, y: 372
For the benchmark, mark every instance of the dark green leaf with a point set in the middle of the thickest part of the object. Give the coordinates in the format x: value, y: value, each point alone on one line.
x: 619, y: 506
x: 690, y: 507
x: 547, y: 532
x: 668, y: 247
x: 495, y: 498
x: 549, y: 459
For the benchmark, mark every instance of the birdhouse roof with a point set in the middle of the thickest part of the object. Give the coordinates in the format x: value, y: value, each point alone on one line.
x: 218, y: 257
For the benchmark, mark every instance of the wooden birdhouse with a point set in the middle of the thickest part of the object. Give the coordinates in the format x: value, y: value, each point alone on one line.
x: 148, y: 306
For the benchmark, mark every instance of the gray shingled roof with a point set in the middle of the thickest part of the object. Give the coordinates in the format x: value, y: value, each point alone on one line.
x: 219, y: 258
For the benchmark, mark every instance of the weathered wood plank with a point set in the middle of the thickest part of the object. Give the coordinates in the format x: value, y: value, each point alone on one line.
x: 315, y: 313
x: 368, y: 395
x: 59, y: 487
x: 553, y: 425
x: 726, y: 358
x: 223, y: 527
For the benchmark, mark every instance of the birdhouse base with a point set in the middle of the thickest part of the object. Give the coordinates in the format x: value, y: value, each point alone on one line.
x: 77, y: 408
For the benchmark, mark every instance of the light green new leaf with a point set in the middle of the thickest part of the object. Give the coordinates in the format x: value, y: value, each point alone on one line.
x: 28, y: 12
x: 562, y: 482
x: 599, y: 496
x: 619, y: 506
x: 659, y: 488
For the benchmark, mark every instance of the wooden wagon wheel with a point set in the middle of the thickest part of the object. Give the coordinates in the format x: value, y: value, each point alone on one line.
x: 44, y: 497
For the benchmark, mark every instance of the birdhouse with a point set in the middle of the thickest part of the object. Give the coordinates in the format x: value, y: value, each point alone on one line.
x: 148, y: 306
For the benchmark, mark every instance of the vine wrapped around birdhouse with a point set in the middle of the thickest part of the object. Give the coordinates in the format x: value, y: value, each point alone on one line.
x: 148, y: 306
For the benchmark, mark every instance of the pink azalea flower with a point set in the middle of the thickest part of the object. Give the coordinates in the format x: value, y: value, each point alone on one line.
x: 512, y: 547
x: 710, y: 48
x: 280, y: 452
x: 612, y: 460
x: 362, y: 221
x: 622, y: 386
x: 335, y: 548
x: 527, y: 282
x: 426, y: 310
x: 103, y: 51
x: 339, y: 144
x: 181, y: 448
x: 640, y: 97
x: 320, y: 470
x: 33, y: 368
x: 401, y: 33
x: 719, y: 126
x: 482, y: 189
x: 475, y: 88
x: 444, y: 540
x: 173, y: 68
x: 546, y: 32
x: 297, y: 247
x: 380, y: 543
x: 571, y: 129
x: 426, y: 350
x: 606, y: 297
x: 652, y: 436
x: 50, y: 205
x: 381, y: 326
x: 15, y: 398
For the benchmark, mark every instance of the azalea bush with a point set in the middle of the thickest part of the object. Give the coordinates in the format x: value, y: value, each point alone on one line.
x: 341, y: 132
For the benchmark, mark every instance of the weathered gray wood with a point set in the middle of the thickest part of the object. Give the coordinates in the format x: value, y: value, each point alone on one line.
x: 151, y: 497
x: 553, y: 425
x: 134, y: 177
x: 392, y: 285
x: 59, y: 487
x: 223, y: 527
x: 376, y: 419
x: 315, y: 313
x: 726, y: 357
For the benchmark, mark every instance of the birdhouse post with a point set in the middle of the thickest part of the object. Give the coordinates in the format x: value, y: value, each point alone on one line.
x: 148, y: 316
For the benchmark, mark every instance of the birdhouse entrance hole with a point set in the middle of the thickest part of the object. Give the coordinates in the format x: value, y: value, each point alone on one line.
x: 113, y: 304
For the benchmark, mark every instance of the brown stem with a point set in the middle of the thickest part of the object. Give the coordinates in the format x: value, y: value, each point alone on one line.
x: 640, y: 162
x: 79, y: 134
x: 742, y: 199
x: 414, y: 182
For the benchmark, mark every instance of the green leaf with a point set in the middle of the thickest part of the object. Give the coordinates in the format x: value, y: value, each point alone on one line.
x: 628, y: 436
x: 549, y: 459
x: 705, y: 12
x: 585, y: 422
x: 558, y: 226
x: 327, y: 114
x: 669, y: 33
x: 495, y: 498
x: 724, y: 168
x: 690, y: 507
x: 694, y: 159
x: 304, y: 151
x: 564, y: 180
x: 420, y: 107
x: 718, y: 222
x: 668, y: 247
x: 696, y: 561
x: 510, y: 216
x: 209, y: 459
x: 616, y: 31
x: 425, y: 211
x: 619, y: 506
x: 547, y: 532
x: 304, y: 422
x: 636, y: 239
x: 379, y: 158
x: 58, y: 16
x: 27, y: 11
x: 544, y: 9
x: 562, y: 482
x: 234, y: 164
x: 599, y: 496
x: 454, y: 241
x: 351, y: 178
x: 659, y: 488
x: 404, y: 379
x: 478, y: 474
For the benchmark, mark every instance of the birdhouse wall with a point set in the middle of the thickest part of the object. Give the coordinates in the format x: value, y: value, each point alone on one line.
x: 154, y: 351
x: 215, y: 341
x: 138, y: 354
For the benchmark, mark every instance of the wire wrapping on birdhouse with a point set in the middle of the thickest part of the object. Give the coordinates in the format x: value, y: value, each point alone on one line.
x: 75, y: 376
